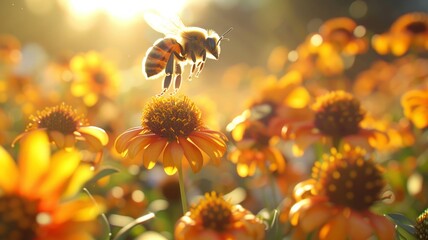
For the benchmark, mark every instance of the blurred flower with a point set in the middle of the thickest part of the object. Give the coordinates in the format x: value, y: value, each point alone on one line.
x: 94, y: 77
x: 215, y: 218
x: 35, y: 199
x: 410, y: 31
x: 415, y: 105
x: 10, y: 49
x: 335, y: 203
x: 421, y: 225
x: 255, y: 149
x: 64, y: 127
x: 128, y: 200
x: 344, y: 34
x: 337, y: 117
x: 171, y: 125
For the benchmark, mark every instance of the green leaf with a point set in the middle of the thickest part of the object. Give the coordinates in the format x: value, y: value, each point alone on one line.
x: 123, y: 233
x: 402, y: 222
x: 104, y: 172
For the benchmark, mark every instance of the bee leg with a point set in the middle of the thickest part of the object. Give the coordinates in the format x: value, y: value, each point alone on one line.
x: 193, y: 68
x: 201, y: 63
x: 177, y: 80
x: 168, y: 70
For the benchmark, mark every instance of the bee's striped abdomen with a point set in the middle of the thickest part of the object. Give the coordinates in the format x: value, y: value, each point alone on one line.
x: 158, y: 55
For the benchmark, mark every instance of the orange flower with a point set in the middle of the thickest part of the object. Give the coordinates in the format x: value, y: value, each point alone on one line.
x: 172, y: 128
x: 64, y: 127
x: 10, y: 49
x: 335, y: 203
x: 215, y: 218
x: 337, y: 117
x: 35, y: 199
x: 415, y: 105
x: 94, y: 77
x: 254, y: 149
x: 408, y: 31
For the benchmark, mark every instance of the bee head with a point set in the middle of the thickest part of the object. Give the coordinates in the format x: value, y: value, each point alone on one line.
x: 213, y: 43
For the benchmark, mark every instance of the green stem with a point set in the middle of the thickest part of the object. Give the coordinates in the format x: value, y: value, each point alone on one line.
x: 182, y: 191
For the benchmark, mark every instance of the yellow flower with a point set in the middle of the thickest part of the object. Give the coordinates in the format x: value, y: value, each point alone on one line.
x: 172, y: 128
x: 421, y: 225
x: 94, y: 77
x: 337, y: 117
x: 335, y: 203
x: 35, y: 193
x: 255, y: 149
x: 215, y: 218
x: 415, y: 105
x: 408, y: 31
x: 64, y: 127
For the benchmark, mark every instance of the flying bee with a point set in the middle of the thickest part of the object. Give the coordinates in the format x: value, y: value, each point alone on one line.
x: 181, y: 45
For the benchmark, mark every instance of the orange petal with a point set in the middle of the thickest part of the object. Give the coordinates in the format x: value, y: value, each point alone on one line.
x: 210, y: 149
x: 172, y: 157
x: 94, y: 136
x: 334, y: 229
x: 152, y: 152
x: 139, y: 143
x: 315, y: 217
x: 7, y: 168
x: 122, y: 142
x: 63, y: 164
x: 34, y: 159
x: 57, y: 138
x: 79, y: 210
x: 385, y: 229
x: 192, y: 153
x: 358, y: 227
x: 69, y: 142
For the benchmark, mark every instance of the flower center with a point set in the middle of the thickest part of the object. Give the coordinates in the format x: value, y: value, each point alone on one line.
x: 61, y: 118
x: 349, y: 178
x: 171, y: 117
x: 422, y: 225
x: 214, y: 212
x: 417, y: 27
x: 17, y: 218
x: 338, y: 114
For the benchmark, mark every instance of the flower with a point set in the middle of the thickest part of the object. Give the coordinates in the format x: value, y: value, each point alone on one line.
x: 335, y: 202
x: 337, y: 117
x: 38, y: 194
x: 64, y: 127
x: 215, y: 218
x: 421, y: 225
x: 415, y: 105
x: 408, y: 31
x: 255, y: 149
x: 172, y: 128
x: 10, y: 49
x: 94, y: 77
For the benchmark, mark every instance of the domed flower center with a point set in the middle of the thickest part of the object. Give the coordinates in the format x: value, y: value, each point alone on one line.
x: 214, y: 212
x: 422, y: 225
x: 17, y: 218
x: 417, y: 27
x: 349, y: 179
x: 61, y: 118
x: 338, y: 114
x: 171, y: 117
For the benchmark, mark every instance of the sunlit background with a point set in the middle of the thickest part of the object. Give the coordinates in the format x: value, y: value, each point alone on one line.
x: 49, y: 44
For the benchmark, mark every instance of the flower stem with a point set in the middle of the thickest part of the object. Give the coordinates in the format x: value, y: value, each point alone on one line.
x: 182, y: 191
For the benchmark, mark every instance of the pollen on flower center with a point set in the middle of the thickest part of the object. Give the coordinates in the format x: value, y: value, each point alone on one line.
x: 171, y: 117
x: 338, y: 114
x: 61, y: 118
x: 17, y: 218
x: 422, y: 225
x: 214, y: 212
x: 349, y: 179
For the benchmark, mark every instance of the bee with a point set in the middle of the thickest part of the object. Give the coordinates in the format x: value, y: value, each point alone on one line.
x: 181, y: 45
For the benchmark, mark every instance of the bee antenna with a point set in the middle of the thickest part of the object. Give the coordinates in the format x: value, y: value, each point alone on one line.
x: 222, y: 36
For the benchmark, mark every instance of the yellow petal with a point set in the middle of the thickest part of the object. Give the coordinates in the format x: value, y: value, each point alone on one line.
x: 63, y: 165
x: 242, y: 169
x: 122, y: 142
x: 7, y: 168
x: 192, y: 153
x: 172, y: 157
x: 82, y: 174
x: 79, y: 210
x: 94, y: 135
x: 69, y: 142
x: 34, y: 158
x: 152, y: 153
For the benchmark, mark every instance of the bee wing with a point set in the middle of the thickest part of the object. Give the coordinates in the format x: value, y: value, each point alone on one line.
x: 168, y: 25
